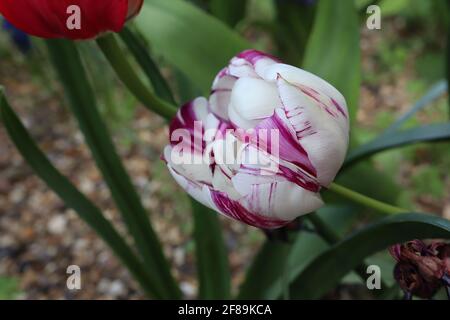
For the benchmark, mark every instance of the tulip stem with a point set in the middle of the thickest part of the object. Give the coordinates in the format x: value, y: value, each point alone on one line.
x: 364, y: 200
x: 117, y: 58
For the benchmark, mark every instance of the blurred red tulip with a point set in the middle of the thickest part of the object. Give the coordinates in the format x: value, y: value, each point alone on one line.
x: 73, y: 19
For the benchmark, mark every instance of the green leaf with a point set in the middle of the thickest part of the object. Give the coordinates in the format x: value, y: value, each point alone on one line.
x: 212, y: 257
x: 365, y: 171
x: 70, y: 69
x: 426, y: 133
x: 292, y: 35
x: 71, y: 196
x: 329, y: 267
x: 447, y: 60
x: 116, y: 57
x: 229, y: 11
x: 188, y: 38
x: 266, y: 269
x: 435, y: 92
x: 333, y: 51
x: 142, y: 56
x: 264, y: 277
x: 9, y: 288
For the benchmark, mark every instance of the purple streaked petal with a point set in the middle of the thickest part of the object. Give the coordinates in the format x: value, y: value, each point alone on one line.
x: 262, y: 167
x: 321, y: 131
x: 297, y: 76
x: 289, y: 148
x: 236, y: 210
x: 194, y: 169
x: 395, y: 251
x: 253, y: 56
x: 219, y: 99
x: 195, y: 110
x: 282, y: 200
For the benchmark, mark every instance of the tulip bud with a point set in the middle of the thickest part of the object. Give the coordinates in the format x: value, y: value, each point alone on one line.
x: 421, y: 269
x: 72, y: 19
x: 411, y: 281
x: 442, y: 251
x: 269, y: 137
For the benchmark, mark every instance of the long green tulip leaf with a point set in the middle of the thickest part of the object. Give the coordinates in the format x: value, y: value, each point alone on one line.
x: 435, y: 92
x: 211, y: 254
x: 426, y: 133
x: 328, y: 268
x: 73, y: 198
x: 229, y: 11
x: 333, y: 50
x: 264, y: 278
x: 70, y: 69
x: 116, y: 57
x: 196, y: 43
x: 142, y: 56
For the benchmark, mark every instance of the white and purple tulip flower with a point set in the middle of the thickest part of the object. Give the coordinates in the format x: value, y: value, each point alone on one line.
x: 284, y: 133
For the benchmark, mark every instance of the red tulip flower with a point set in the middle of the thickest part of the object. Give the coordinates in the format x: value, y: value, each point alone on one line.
x: 73, y: 19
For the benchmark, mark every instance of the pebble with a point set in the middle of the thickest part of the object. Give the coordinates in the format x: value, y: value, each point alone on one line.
x: 57, y: 225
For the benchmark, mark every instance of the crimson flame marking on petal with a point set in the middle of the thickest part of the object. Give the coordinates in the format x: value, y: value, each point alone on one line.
x: 309, y: 93
x: 289, y: 148
x: 237, y: 211
x: 222, y: 73
x: 253, y: 56
x: 299, y: 177
x: 315, y: 95
x: 338, y: 107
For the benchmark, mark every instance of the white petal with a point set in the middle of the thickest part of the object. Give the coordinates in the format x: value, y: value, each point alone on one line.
x: 239, y: 121
x: 220, y: 96
x: 199, y: 192
x: 258, y: 60
x: 254, y: 98
x: 227, y: 153
x: 222, y: 183
x: 283, y: 200
x: 302, y: 77
x: 323, y: 136
x: 241, y: 68
x: 193, y: 167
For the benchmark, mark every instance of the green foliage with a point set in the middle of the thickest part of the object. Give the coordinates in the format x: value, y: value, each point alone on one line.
x: 83, y: 105
x: 9, y: 288
x: 230, y: 11
x: 328, y: 268
x: 293, y: 34
x: 212, y: 261
x: 333, y: 50
x: 264, y: 278
x: 426, y: 133
x: 73, y: 198
x: 189, y: 39
x: 428, y: 180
